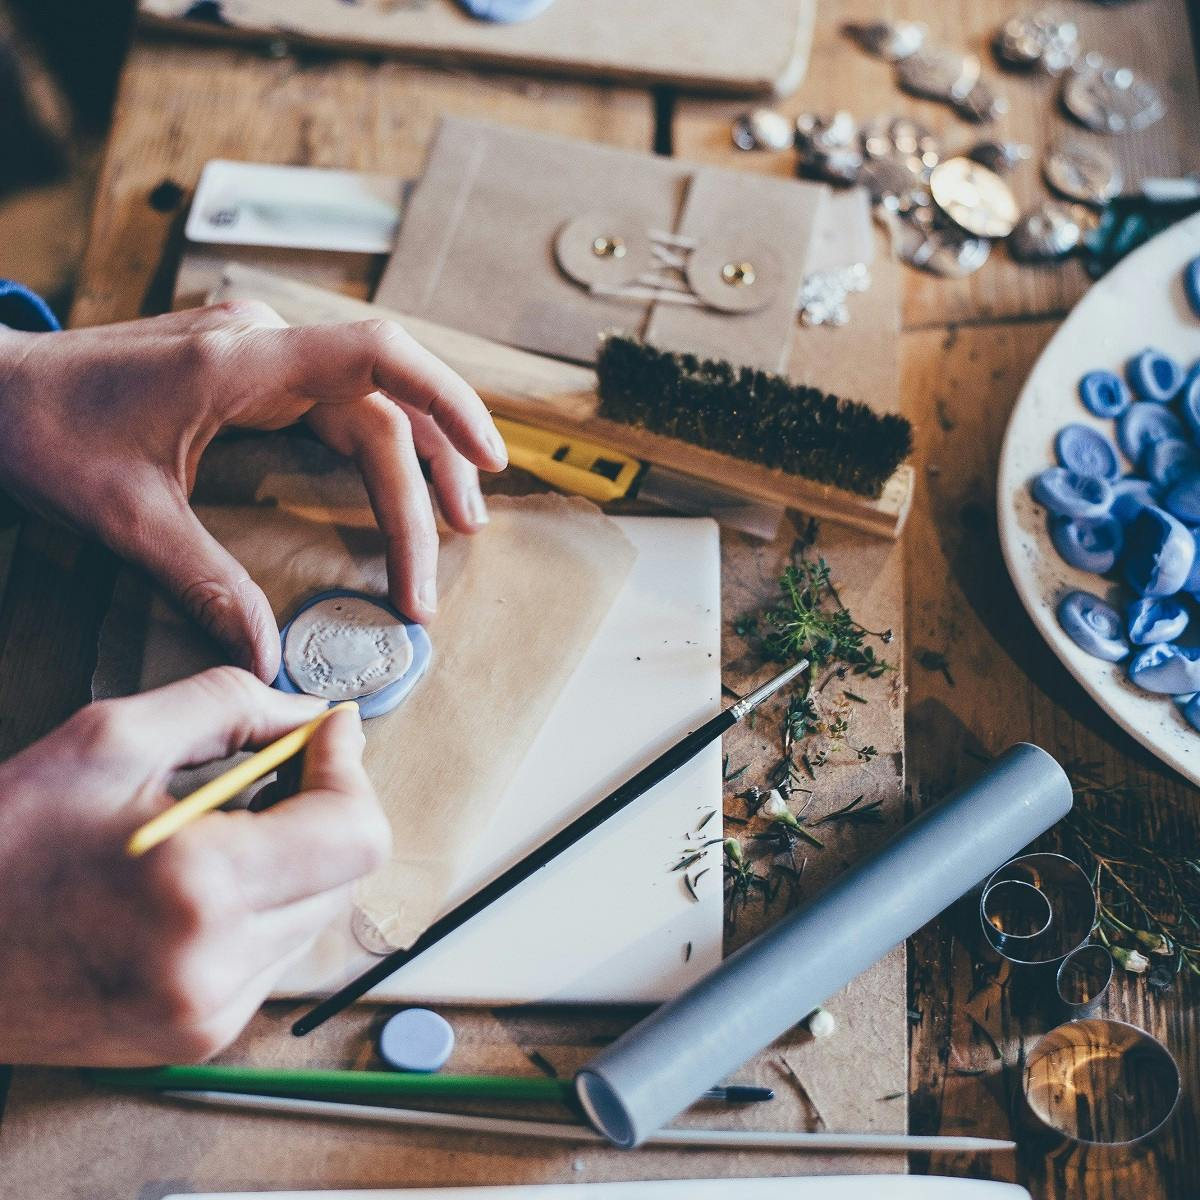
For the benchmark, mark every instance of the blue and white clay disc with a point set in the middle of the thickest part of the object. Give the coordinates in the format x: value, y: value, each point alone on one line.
x: 343, y: 645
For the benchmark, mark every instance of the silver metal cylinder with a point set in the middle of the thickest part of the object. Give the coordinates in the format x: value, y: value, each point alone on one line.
x: 662, y: 1065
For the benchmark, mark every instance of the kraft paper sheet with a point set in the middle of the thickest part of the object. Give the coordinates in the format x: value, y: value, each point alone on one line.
x: 519, y: 604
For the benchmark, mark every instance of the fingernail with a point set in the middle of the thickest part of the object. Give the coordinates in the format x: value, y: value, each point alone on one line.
x: 476, y: 508
x: 428, y: 595
x: 496, y: 445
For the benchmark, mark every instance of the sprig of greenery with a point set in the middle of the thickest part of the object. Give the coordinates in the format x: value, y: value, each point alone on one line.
x: 1148, y: 898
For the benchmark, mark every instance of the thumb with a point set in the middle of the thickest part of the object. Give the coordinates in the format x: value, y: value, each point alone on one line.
x: 211, y: 585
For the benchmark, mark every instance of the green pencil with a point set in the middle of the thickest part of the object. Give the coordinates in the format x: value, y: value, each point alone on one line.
x: 266, y: 1081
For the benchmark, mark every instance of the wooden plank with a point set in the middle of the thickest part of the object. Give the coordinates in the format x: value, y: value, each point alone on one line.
x: 1153, y: 37
x: 697, y: 44
x: 178, y: 108
x: 1002, y: 685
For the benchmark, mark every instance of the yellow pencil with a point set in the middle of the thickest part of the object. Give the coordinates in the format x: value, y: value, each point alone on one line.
x: 223, y: 789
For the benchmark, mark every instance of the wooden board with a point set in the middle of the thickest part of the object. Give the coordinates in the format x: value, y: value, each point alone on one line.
x: 701, y: 44
x: 1152, y: 36
x: 60, y: 1137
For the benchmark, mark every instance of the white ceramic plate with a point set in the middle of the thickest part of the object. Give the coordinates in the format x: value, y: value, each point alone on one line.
x: 1139, y: 303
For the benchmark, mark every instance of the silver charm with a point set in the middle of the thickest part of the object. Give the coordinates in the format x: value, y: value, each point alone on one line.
x: 1082, y: 171
x: 1044, y: 40
x: 896, y: 184
x: 889, y: 40
x: 762, y: 129
x: 823, y: 294
x: 1000, y: 157
x: 938, y: 74
x: 1111, y: 99
x: 981, y: 104
x: 829, y: 147
x: 901, y: 137
x: 974, y: 198
x: 936, y: 246
x: 1050, y: 231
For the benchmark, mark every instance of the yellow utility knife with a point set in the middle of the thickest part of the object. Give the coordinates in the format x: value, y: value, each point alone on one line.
x: 569, y: 463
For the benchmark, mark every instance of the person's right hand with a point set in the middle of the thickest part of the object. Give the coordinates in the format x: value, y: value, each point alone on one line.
x: 112, y: 961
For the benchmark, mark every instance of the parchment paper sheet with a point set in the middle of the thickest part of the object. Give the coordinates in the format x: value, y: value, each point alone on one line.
x: 519, y: 604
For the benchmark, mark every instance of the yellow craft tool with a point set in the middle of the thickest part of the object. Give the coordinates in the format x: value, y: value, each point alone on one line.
x: 568, y: 462
x: 223, y: 789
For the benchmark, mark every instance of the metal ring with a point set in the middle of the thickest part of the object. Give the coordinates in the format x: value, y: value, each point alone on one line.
x: 1082, y: 979
x: 1101, y: 1085
x: 1072, y: 904
x: 1014, y: 913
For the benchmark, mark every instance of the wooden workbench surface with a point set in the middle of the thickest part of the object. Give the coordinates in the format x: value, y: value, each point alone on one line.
x: 966, y: 349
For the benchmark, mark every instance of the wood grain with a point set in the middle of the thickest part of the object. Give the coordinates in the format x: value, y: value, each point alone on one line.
x: 1152, y: 36
x: 1001, y: 685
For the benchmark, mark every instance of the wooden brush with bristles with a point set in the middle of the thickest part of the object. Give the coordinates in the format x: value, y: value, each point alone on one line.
x: 751, y: 432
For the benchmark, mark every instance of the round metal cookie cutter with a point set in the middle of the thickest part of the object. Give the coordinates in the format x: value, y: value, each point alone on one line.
x: 1081, y: 980
x: 1009, y: 915
x: 1099, y: 1085
x: 344, y: 645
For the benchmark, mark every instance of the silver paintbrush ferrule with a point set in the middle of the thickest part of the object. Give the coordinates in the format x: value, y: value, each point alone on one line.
x: 748, y: 703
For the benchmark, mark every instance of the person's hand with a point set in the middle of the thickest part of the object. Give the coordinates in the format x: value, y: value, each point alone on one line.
x: 115, y: 961
x: 103, y: 428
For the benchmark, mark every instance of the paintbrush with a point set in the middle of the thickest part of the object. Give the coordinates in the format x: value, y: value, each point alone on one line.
x: 664, y: 765
x: 745, y: 1139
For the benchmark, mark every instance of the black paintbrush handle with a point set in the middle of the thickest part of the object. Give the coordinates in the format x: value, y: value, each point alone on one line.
x: 666, y: 764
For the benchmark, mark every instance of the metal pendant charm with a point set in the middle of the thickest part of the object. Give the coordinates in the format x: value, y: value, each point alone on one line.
x: 1042, y: 40
x: 938, y: 74
x: 1082, y: 171
x: 889, y: 40
x: 974, y: 198
x: 1048, y: 232
x: 1000, y: 157
x: 903, y: 138
x: 981, y: 104
x: 1111, y: 99
x: 762, y: 129
x: 920, y: 239
x: 829, y: 147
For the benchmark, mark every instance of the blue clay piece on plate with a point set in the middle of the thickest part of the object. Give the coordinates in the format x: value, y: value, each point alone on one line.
x: 1081, y: 497
x: 1183, y: 500
x: 1191, y: 284
x: 1091, y: 546
x: 1150, y: 621
x: 1130, y: 495
x: 1166, y: 668
x: 1159, y: 553
x: 1082, y: 449
x: 416, y: 1040
x: 389, y: 695
x: 1095, y: 627
x: 1154, y: 376
x: 1169, y: 461
x: 1143, y: 424
x: 1191, y: 584
x: 505, y: 11
x: 1190, y: 707
x: 1104, y: 394
x: 1189, y: 401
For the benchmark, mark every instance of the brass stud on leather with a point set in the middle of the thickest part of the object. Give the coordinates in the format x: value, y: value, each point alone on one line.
x: 607, y: 246
x: 739, y: 274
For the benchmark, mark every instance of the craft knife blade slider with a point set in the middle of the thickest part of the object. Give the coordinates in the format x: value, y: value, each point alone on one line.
x: 664, y: 765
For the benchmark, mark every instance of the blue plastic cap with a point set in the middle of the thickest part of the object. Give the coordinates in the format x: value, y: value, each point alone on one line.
x: 416, y: 1040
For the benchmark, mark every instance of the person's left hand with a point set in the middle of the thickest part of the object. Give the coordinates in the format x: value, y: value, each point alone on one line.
x: 103, y: 428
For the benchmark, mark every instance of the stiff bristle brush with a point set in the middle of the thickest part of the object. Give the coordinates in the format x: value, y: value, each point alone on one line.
x: 750, y: 432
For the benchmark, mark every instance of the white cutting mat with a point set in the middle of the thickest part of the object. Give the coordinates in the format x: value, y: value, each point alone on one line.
x: 609, y: 922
